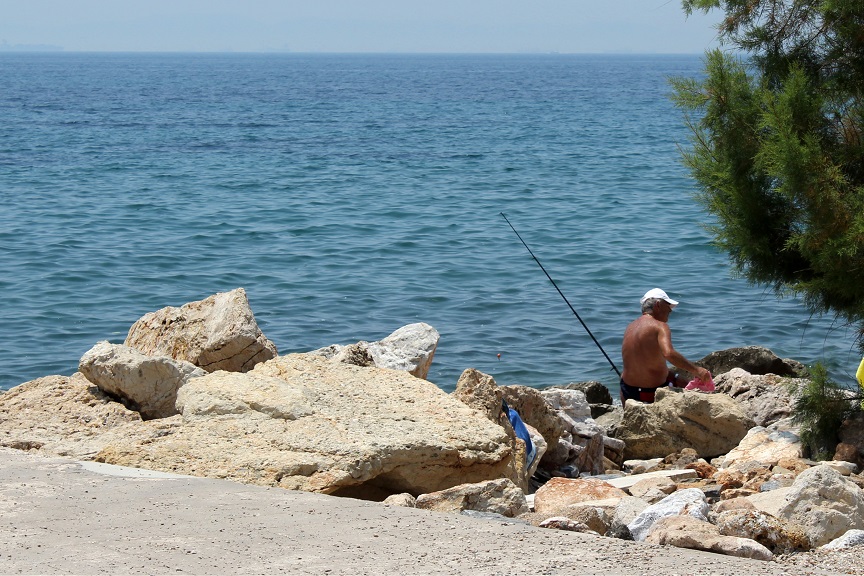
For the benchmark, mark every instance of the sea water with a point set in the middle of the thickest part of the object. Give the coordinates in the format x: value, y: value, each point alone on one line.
x: 353, y: 194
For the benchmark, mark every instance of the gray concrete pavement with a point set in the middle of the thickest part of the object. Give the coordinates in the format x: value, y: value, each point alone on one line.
x: 60, y: 516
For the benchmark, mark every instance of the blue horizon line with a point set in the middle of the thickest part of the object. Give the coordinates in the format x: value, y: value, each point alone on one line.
x: 328, y: 53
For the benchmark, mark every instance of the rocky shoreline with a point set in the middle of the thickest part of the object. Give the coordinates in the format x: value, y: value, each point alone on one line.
x: 199, y: 390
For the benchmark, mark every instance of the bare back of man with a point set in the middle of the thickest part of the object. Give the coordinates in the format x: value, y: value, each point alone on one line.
x: 643, y: 354
x: 647, y: 347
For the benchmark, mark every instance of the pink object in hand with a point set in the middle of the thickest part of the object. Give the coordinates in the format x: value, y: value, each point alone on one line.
x: 700, y: 385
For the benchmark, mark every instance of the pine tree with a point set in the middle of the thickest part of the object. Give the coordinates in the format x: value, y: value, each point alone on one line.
x: 777, y: 146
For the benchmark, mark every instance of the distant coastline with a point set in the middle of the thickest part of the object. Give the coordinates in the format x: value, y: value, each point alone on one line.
x: 6, y: 47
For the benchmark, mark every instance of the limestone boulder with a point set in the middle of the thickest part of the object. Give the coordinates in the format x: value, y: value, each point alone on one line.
x: 609, y: 420
x: 238, y: 395
x: 766, y: 445
x: 639, y: 466
x: 678, y: 476
x: 689, y: 502
x: 681, y: 459
x: 596, y: 515
x: 733, y: 493
x: 842, y: 467
x: 756, y: 477
x: 702, y: 468
x: 597, y: 518
x: 687, y: 532
x: 499, y: 496
x: 591, y: 459
x: 217, y: 333
x: 824, y: 504
x: 147, y: 384
x: 766, y: 398
x: 851, y: 539
x: 795, y: 465
x: 613, y: 449
x: 651, y: 495
x: 777, y: 481
x: 711, y: 424
x: 559, y: 493
x: 581, y: 444
x: 653, y: 489
x: 355, y: 354
x: 779, y: 537
x: 732, y: 504
x: 63, y: 416
x: 540, y: 448
x: 535, y: 410
x: 403, y: 500
x: 569, y: 403
x: 565, y: 523
x: 595, y: 392
x: 770, y: 502
x: 628, y: 509
x: 753, y: 359
x: 480, y: 392
x: 410, y: 348
x: 303, y: 422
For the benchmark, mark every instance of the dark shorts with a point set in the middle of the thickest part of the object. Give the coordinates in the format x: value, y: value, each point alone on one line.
x: 641, y: 394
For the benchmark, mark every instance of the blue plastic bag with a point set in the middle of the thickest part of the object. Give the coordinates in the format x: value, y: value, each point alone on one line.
x: 522, y: 433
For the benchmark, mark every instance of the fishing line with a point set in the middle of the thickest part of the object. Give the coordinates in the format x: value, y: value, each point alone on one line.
x: 562, y: 296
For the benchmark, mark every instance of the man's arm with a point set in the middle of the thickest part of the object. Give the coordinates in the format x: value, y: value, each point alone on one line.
x: 676, y: 358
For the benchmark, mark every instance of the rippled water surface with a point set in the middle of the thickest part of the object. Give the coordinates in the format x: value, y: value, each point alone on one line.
x: 351, y: 195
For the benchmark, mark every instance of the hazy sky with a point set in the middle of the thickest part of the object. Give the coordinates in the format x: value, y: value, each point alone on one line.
x: 653, y: 26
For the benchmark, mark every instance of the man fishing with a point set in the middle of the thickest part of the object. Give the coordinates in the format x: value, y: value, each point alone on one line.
x: 646, y: 348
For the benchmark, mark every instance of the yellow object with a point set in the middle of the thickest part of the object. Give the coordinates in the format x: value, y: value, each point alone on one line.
x: 859, y: 375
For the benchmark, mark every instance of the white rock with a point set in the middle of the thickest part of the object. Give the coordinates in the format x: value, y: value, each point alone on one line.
x: 539, y: 447
x: 628, y: 509
x: 824, y: 503
x: 764, y: 398
x: 842, y: 467
x: 850, y: 539
x: 409, y: 348
x: 765, y: 445
x: 625, y: 482
x: 571, y: 403
x: 217, y: 333
x: 499, y: 496
x: 771, y: 501
x: 690, y: 502
x: 404, y: 500
x: 150, y: 383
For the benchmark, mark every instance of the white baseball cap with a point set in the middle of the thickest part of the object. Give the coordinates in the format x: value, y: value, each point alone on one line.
x: 660, y: 294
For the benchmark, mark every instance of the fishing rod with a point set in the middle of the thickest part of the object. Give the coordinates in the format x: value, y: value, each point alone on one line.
x: 562, y: 296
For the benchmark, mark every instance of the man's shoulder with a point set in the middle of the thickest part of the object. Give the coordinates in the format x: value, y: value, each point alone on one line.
x: 647, y: 320
x: 648, y: 323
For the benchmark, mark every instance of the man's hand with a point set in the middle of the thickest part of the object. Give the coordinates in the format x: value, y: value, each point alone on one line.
x: 702, y: 374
